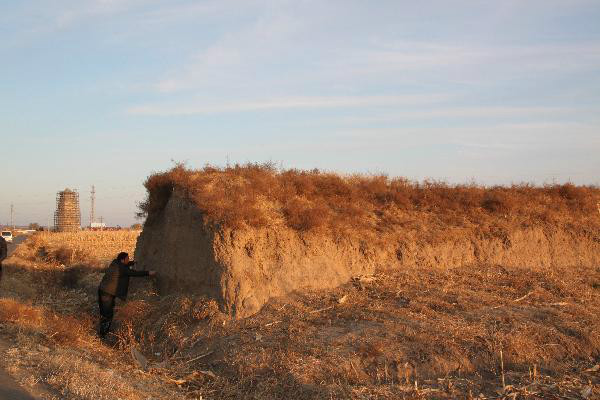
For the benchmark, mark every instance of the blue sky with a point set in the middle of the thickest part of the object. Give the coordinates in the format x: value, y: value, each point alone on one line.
x: 105, y: 92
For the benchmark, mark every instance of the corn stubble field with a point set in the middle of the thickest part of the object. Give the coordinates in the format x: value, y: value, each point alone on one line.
x: 479, y: 331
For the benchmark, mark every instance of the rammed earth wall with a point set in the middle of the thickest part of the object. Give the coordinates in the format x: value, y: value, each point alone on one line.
x: 243, y: 268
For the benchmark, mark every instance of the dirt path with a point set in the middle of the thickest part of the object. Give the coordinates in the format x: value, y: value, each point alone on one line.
x: 13, y: 246
x: 9, y: 389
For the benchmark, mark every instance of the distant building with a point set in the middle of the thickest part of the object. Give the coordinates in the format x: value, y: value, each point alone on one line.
x: 98, y: 225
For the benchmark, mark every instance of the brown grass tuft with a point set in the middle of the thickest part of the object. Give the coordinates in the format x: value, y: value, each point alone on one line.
x: 14, y: 311
x: 258, y: 195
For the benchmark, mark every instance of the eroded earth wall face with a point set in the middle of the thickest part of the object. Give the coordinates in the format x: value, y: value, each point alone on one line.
x: 266, y: 263
x: 533, y: 247
x: 276, y: 261
x: 176, y: 245
x: 242, y: 269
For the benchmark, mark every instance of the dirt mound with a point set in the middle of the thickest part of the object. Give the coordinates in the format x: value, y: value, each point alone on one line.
x: 234, y: 257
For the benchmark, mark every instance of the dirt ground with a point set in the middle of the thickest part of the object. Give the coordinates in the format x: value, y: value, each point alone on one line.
x: 483, y: 331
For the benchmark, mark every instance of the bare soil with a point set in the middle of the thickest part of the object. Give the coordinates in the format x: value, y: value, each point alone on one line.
x: 483, y: 331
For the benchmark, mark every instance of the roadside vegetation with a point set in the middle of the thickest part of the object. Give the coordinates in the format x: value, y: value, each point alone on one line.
x: 47, y: 318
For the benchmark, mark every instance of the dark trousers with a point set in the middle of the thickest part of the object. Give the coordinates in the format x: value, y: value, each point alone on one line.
x: 106, y: 304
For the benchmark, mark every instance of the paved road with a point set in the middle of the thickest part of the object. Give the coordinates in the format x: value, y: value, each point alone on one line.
x: 9, y: 389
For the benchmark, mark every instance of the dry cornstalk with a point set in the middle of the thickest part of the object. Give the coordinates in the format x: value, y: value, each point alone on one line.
x: 502, y: 369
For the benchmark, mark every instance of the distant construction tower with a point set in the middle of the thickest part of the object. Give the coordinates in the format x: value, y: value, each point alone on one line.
x: 67, y: 217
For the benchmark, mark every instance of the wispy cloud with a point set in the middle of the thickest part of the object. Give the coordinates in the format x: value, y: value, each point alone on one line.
x: 208, y: 107
x: 447, y: 111
x: 254, y: 56
x: 301, y: 62
x: 31, y: 21
x: 467, y: 62
x: 85, y: 10
x: 505, y: 137
x: 241, y: 56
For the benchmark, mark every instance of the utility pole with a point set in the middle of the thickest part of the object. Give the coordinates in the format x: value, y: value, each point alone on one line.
x: 92, y: 210
x: 12, y: 212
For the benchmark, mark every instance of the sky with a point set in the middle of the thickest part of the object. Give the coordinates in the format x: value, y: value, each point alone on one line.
x: 106, y: 92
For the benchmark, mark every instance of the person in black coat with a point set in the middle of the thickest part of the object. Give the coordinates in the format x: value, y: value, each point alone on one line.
x: 115, y: 283
x: 3, y: 253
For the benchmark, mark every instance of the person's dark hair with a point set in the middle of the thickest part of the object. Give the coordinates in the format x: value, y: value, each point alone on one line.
x: 122, y: 256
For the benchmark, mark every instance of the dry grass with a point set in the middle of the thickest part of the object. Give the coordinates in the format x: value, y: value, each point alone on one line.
x: 415, y: 333
x: 259, y: 195
x: 441, y: 330
x: 48, y: 312
x: 69, y: 248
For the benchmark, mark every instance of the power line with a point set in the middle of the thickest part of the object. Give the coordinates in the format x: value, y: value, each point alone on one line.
x: 93, y: 208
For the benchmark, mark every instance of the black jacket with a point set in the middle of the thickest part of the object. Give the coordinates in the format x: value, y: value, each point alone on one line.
x: 116, y: 279
x: 3, y: 249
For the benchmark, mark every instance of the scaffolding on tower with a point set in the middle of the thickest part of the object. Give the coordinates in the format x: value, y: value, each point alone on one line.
x: 67, y: 217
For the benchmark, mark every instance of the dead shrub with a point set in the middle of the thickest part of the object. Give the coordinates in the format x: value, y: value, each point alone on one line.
x: 133, y: 310
x: 255, y: 195
x: 498, y: 201
x: 165, y: 325
x: 59, y: 328
x: 160, y: 187
x: 577, y: 197
x: 571, y: 192
x: 57, y: 278
x: 63, y: 255
x: 303, y: 216
x: 12, y: 311
x: 33, y: 249
x: 68, y: 329
x: 71, y: 276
